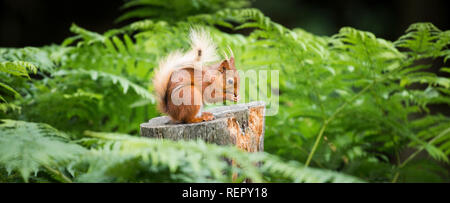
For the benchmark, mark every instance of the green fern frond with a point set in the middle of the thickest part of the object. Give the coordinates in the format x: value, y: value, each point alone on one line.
x: 114, y: 51
x: 189, y: 161
x: 28, y: 148
x: 30, y: 58
x: 175, y: 9
x: 18, y: 68
x: 123, y: 82
x: 5, y: 107
x: 88, y: 36
x: 376, y: 54
x: 423, y: 40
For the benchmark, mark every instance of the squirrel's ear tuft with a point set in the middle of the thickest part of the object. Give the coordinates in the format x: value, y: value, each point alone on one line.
x: 232, y: 63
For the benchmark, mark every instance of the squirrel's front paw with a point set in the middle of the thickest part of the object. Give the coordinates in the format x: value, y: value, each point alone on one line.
x: 232, y: 97
x: 206, y: 116
x: 236, y: 98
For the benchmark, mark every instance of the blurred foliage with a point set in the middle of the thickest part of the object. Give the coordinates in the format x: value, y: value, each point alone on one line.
x: 350, y: 104
x: 174, y: 10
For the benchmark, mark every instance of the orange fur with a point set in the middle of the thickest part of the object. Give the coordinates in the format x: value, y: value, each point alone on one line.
x: 184, y: 83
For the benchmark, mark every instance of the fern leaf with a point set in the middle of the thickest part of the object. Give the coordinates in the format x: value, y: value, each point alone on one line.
x: 88, y: 36
x: 204, y: 161
x: 423, y: 40
x: 123, y: 82
x: 17, y: 68
x: 31, y: 147
x: 7, y: 87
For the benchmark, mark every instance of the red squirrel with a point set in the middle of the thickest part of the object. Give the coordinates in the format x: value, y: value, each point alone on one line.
x: 184, y: 82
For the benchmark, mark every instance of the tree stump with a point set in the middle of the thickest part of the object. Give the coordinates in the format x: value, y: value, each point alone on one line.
x: 241, y: 125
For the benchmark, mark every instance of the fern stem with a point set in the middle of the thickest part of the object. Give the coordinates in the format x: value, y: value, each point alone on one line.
x: 316, y: 143
x: 397, y: 174
x: 59, y: 174
x: 327, y: 121
x: 422, y: 148
x: 443, y: 133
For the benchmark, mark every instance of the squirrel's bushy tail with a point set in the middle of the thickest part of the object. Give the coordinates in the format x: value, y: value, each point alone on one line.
x: 203, y: 51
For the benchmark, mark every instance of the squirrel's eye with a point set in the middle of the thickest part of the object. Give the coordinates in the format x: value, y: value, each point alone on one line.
x: 230, y: 81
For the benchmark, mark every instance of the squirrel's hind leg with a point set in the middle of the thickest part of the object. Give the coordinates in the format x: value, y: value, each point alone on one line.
x: 204, y: 117
x: 193, y: 114
x: 199, y: 116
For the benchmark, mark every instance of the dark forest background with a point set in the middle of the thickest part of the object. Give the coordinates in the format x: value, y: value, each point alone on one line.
x: 42, y: 22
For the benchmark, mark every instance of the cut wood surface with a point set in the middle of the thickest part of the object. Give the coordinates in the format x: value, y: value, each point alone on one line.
x: 241, y: 125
